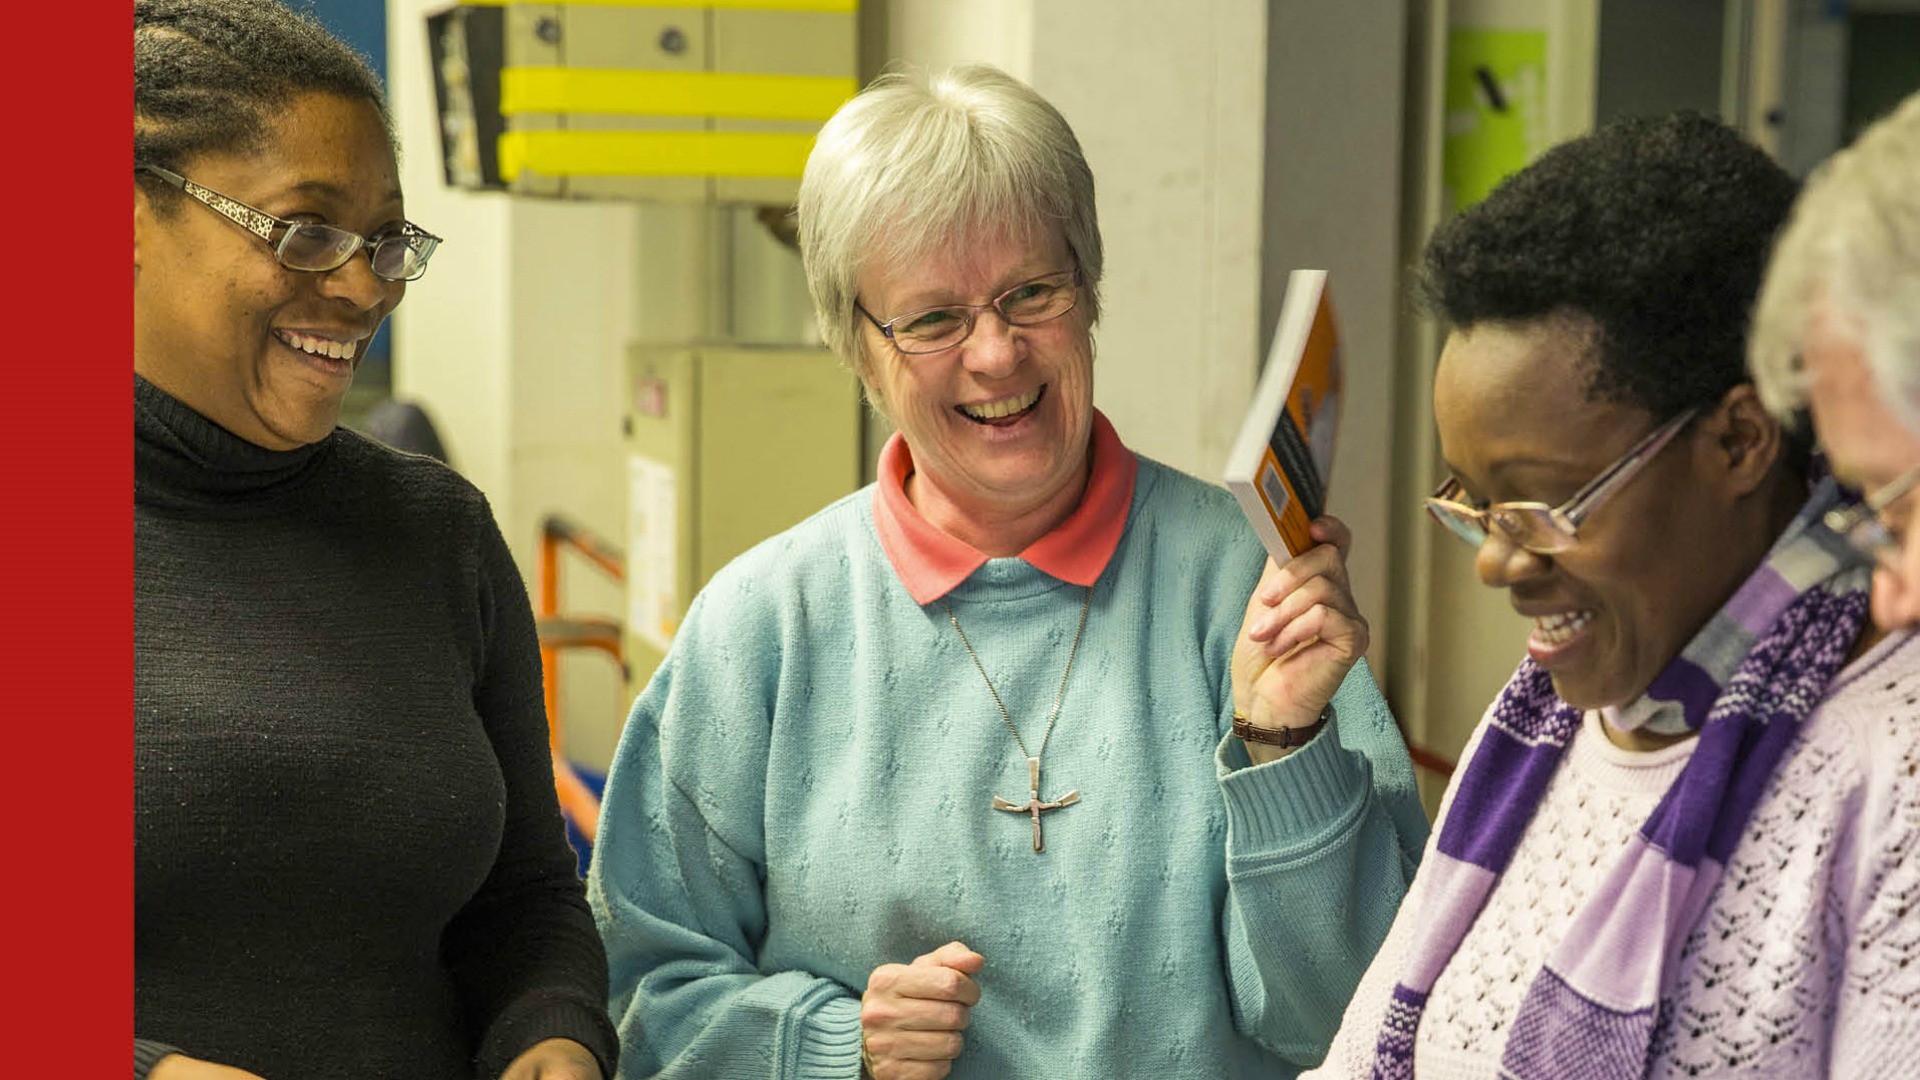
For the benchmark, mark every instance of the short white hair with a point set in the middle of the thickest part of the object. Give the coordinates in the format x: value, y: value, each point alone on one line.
x: 1853, y: 241
x: 917, y: 161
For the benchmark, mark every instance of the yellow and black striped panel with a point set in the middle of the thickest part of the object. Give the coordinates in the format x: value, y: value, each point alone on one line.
x: 607, y: 88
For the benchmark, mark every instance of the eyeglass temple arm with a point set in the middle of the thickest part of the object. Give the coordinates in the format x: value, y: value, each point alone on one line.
x: 257, y: 222
x: 1891, y: 493
x: 885, y: 328
x: 1624, y: 469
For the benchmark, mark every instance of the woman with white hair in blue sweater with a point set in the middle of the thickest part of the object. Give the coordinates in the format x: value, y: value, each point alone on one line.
x: 1008, y: 742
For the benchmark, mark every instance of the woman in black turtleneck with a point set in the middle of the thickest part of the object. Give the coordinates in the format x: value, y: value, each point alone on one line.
x: 348, y: 858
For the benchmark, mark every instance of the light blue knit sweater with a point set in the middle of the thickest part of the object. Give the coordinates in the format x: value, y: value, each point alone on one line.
x: 802, y: 794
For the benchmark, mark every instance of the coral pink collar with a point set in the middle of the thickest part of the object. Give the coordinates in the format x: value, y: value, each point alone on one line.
x: 931, y: 563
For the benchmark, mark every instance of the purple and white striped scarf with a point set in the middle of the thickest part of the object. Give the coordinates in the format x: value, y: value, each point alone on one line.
x: 1745, y: 682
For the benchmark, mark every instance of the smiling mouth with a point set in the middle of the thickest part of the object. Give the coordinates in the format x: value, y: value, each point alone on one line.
x: 1561, y: 628
x: 314, y: 345
x: 1006, y: 410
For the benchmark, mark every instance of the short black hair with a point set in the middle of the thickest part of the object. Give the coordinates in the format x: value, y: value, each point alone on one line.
x: 1656, y: 228
x: 210, y: 75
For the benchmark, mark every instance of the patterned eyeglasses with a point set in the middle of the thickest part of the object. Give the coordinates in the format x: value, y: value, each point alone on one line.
x: 400, y: 255
x: 938, y: 329
x: 1864, y: 525
x: 1537, y: 527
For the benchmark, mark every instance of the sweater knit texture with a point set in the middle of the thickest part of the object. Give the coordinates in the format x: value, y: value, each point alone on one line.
x: 1803, y: 963
x: 348, y: 861
x: 803, y: 794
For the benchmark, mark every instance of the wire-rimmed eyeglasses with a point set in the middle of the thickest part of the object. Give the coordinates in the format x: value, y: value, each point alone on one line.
x: 400, y: 255
x: 1537, y: 527
x: 1864, y: 525
x: 937, y: 329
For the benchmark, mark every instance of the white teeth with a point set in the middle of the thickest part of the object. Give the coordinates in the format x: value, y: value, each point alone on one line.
x: 1554, y: 629
x: 994, y: 410
x: 320, y: 346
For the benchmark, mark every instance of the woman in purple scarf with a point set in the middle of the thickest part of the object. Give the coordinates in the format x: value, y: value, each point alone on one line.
x: 1677, y: 846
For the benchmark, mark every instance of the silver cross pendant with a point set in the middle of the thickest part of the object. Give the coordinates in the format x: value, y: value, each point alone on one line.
x: 1034, y: 805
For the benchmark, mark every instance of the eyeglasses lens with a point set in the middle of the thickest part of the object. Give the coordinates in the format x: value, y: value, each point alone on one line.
x: 403, y: 257
x: 1037, y: 301
x: 1460, y: 524
x: 320, y: 248
x: 316, y: 247
x: 1533, y: 529
x: 1870, y: 537
x: 931, y: 331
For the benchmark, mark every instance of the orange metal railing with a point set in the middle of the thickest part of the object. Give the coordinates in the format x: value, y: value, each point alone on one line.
x: 1424, y: 758
x: 559, y: 634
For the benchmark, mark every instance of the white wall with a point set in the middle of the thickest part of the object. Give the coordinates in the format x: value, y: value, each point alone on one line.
x: 1168, y: 103
x: 941, y: 33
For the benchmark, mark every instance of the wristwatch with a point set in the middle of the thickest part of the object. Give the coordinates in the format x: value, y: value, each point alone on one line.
x: 1286, y: 737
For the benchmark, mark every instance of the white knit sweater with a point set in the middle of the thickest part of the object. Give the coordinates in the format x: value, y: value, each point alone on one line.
x: 1806, y: 962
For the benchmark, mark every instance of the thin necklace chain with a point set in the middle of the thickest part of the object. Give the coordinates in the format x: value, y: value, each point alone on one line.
x: 1005, y: 716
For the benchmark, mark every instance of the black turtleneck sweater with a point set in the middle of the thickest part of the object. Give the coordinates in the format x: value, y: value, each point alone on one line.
x: 348, y: 861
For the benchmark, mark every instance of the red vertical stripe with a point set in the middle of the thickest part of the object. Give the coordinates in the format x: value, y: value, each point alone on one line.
x: 67, y: 456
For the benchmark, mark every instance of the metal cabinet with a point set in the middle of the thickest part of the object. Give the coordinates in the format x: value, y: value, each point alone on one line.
x: 726, y: 447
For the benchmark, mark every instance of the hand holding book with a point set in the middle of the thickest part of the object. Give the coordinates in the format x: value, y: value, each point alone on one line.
x: 1302, y: 633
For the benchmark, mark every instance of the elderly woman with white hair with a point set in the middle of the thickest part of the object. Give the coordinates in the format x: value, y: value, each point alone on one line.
x: 1009, y: 742
x: 1837, y: 333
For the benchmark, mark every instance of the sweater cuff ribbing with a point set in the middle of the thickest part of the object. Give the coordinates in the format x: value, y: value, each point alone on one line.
x: 147, y: 1054
x: 1288, y: 804
x: 520, y: 1027
x: 829, y: 1040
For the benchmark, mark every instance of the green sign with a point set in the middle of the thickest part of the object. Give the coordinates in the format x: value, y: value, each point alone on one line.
x: 1496, y: 109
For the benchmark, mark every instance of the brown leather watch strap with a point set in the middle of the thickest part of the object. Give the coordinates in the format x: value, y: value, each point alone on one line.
x: 1286, y: 737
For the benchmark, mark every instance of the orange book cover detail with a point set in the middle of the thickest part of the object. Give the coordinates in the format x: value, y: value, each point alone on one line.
x: 1283, y: 460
